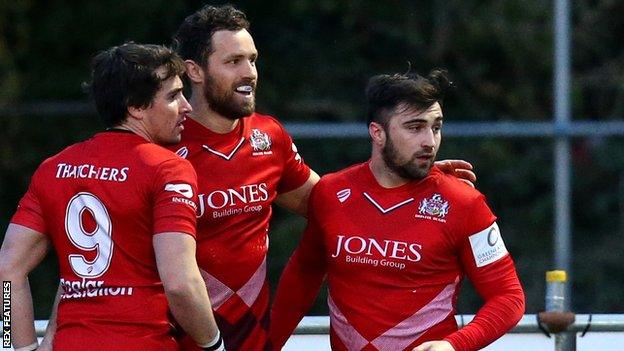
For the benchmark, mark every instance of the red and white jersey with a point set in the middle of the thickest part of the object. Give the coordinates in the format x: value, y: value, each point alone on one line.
x: 395, y: 259
x: 100, y: 202
x: 239, y: 176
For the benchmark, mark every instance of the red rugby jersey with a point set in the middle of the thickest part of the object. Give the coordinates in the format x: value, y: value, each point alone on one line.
x: 239, y: 176
x: 100, y: 202
x: 395, y: 259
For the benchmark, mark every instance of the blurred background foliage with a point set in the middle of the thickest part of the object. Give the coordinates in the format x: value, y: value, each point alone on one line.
x: 315, y: 59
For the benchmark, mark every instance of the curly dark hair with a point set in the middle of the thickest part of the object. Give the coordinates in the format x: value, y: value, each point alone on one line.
x: 125, y: 76
x: 193, y: 40
x: 384, y: 93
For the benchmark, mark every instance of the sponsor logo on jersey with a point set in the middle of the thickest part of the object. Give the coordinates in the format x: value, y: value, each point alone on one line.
x: 487, y: 246
x: 260, y: 142
x: 434, y: 208
x: 182, y: 152
x: 91, y: 288
x: 375, y: 252
x: 234, y: 201
x: 343, y: 195
x: 182, y: 189
x: 87, y: 171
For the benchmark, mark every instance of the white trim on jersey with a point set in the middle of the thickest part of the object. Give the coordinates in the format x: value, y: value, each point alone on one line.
x: 386, y: 210
x: 227, y: 157
x: 402, y: 334
x: 219, y: 292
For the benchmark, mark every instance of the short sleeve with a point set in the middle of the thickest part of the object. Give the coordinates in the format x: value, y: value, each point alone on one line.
x: 29, y: 213
x: 175, y: 197
x: 296, y: 172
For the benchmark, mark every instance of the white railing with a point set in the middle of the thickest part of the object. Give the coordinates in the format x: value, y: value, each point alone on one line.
x: 603, y: 332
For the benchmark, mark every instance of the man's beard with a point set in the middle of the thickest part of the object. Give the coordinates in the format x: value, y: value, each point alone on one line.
x: 405, y: 170
x: 223, y: 103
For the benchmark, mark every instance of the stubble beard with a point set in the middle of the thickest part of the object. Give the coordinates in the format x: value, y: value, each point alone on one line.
x: 223, y: 102
x: 406, y: 170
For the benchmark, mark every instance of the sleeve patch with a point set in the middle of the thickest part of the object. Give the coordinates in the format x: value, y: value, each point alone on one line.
x: 183, y: 189
x: 487, y: 246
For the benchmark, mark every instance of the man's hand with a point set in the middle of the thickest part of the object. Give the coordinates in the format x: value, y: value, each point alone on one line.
x: 46, y: 344
x: 438, y: 345
x: 460, y: 169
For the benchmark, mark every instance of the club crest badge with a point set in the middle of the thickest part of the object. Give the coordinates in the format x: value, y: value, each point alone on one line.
x: 435, y: 208
x: 260, y: 141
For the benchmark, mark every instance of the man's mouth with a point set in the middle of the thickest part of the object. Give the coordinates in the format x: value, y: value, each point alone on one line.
x: 181, y: 122
x: 246, y: 90
x: 425, y: 157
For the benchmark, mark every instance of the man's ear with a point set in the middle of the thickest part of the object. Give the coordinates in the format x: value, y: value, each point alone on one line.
x: 377, y: 134
x: 194, y: 72
x: 136, y: 112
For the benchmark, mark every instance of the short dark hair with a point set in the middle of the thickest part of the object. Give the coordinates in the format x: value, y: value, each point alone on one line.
x: 193, y: 40
x: 384, y: 93
x: 125, y: 76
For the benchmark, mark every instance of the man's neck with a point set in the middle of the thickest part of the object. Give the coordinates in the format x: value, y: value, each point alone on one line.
x: 384, y: 175
x: 204, y: 115
x: 135, y: 127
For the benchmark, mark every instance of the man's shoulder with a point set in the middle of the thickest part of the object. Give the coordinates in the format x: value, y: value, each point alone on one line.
x: 70, y: 152
x: 154, y: 155
x: 454, y: 189
x: 262, y: 118
x: 127, y: 152
x: 259, y: 120
x: 343, y: 178
x: 156, y: 151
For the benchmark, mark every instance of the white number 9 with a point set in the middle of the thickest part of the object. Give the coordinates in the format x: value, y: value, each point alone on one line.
x: 99, y: 239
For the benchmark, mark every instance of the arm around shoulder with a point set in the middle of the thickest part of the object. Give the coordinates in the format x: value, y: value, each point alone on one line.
x: 297, y: 200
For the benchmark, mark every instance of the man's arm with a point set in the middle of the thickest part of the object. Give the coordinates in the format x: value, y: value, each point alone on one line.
x: 503, y: 308
x: 297, y: 200
x: 495, y: 279
x: 184, y: 287
x: 460, y: 169
x: 22, y: 250
x: 48, y: 338
x: 299, y: 283
x: 298, y: 287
